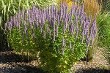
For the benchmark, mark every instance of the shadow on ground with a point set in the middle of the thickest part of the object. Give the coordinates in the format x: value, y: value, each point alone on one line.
x: 21, y: 69
x: 92, y: 70
x: 9, y: 56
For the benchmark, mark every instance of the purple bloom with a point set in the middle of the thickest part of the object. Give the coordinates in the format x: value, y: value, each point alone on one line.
x: 58, y: 19
x: 51, y: 21
x: 73, y: 10
x: 71, y: 28
x: 86, y: 27
x: 93, y: 31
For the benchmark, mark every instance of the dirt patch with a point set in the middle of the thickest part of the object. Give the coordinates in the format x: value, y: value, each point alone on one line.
x: 15, y: 63
x: 19, y: 68
x: 9, y: 56
x: 98, y: 64
x: 92, y: 70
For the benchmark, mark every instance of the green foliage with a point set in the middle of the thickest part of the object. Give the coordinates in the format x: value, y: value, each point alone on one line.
x: 20, y: 40
x: 104, y: 29
x: 105, y: 5
x: 55, y: 58
x: 104, y: 32
x: 59, y: 41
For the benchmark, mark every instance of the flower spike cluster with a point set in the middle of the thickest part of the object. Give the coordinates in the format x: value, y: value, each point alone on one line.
x: 75, y: 21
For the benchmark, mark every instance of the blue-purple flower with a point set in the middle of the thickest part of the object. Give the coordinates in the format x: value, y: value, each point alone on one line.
x: 74, y: 21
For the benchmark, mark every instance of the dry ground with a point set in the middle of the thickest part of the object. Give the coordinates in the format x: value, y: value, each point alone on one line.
x: 14, y: 63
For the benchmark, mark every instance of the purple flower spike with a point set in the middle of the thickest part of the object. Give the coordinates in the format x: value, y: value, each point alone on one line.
x: 81, y: 10
x: 52, y: 21
x: 58, y: 19
x: 93, y: 32
x: 9, y: 26
x: 86, y: 27
x: 52, y: 11
x: 87, y: 40
x: 71, y: 28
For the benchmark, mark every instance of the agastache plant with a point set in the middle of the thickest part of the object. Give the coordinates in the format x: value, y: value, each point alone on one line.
x: 59, y: 29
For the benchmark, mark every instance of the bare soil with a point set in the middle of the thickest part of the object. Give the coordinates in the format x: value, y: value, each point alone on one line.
x: 14, y: 63
x: 98, y: 64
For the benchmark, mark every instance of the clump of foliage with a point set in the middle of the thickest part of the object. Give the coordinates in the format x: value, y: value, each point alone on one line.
x: 104, y: 29
x: 62, y: 37
x: 103, y: 22
x: 105, y: 5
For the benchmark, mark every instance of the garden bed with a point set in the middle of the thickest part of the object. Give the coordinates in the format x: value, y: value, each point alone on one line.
x: 14, y: 63
x: 59, y: 38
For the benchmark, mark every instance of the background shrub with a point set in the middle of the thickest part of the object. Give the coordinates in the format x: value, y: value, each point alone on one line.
x: 104, y: 31
x: 10, y: 7
x: 105, y: 5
